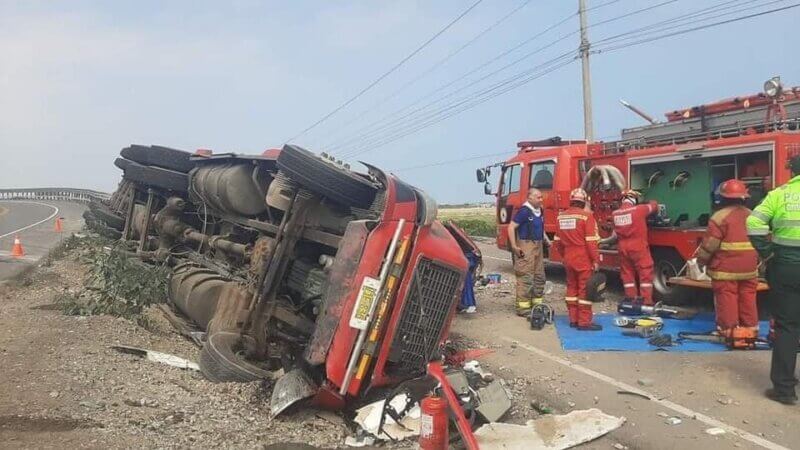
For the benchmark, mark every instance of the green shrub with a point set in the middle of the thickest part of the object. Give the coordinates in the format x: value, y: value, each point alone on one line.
x: 477, y: 227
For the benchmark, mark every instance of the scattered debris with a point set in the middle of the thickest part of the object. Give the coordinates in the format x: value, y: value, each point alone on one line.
x: 163, y: 358
x: 549, y: 432
x: 369, y: 418
x: 494, y: 400
x: 673, y: 421
x: 619, y: 446
x: 663, y: 414
x: 645, y: 382
x: 636, y: 394
x: 715, y: 431
x: 725, y: 400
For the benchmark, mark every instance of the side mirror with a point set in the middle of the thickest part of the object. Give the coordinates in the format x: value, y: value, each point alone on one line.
x: 480, y: 174
x: 487, y: 188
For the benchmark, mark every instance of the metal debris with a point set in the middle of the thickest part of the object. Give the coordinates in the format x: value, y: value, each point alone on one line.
x: 163, y: 358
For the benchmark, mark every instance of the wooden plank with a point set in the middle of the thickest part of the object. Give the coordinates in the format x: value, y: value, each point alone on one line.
x: 683, y: 281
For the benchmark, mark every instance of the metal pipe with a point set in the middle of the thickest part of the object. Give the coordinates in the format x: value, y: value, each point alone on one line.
x: 638, y: 112
x: 362, y: 334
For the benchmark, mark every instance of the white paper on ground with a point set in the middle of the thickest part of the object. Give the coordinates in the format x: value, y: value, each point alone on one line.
x: 368, y: 417
x: 548, y: 432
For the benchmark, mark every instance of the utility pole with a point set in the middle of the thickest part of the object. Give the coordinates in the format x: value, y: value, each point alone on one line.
x: 588, y: 123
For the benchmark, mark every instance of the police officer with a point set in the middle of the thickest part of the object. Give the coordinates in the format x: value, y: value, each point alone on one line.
x: 529, y: 252
x: 779, y: 213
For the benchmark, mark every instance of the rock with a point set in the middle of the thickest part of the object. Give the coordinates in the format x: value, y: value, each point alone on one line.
x: 725, y: 401
x: 673, y: 421
x: 514, y: 344
x: 645, y: 382
x: 54, y: 394
x: 619, y: 446
x: 715, y: 431
x: 663, y: 414
x: 690, y: 392
x: 571, y: 404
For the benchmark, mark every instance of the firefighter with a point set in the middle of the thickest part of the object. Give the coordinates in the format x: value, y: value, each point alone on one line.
x: 528, y: 250
x: 732, y: 264
x: 779, y: 213
x: 577, y: 239
x: 630, y: 228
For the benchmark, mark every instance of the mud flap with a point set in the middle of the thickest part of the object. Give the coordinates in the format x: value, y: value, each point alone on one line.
x: 290, y: 389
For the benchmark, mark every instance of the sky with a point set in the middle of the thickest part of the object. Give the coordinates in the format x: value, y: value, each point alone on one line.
x: 80, y: 80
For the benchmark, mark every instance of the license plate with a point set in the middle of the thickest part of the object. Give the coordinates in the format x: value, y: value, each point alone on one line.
x: 367, y: 295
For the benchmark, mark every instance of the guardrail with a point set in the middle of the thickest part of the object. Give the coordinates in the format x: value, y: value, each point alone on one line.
x: 56, y: 193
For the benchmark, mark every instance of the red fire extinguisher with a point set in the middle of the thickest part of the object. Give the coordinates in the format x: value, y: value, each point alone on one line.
x: 433, y: 433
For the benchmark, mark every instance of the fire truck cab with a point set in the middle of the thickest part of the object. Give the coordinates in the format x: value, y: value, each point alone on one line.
x: 679, y: 163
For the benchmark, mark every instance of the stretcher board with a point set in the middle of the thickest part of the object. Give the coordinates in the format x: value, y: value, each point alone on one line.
x: 706, y: 284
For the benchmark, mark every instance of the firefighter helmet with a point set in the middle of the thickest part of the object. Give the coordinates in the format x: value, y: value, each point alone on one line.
x: 631, y: 196
x: 578, y: 195
x: 733, y: 189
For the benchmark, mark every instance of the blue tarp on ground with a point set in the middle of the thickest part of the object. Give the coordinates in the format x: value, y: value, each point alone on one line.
x: 612, y: 339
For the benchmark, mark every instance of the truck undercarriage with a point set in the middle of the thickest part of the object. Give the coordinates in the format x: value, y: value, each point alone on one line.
x: 297, y: 269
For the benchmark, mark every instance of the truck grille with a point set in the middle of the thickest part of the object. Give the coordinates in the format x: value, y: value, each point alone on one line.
x: 430, y: 298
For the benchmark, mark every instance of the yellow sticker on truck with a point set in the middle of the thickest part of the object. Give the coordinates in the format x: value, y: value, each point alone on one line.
x: 367, y: 295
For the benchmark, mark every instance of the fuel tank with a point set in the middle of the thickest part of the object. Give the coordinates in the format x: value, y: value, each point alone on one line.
x: 232, y: 188
x: 195, y: 291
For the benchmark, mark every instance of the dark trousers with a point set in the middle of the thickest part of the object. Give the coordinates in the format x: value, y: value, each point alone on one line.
x: 784, y: 296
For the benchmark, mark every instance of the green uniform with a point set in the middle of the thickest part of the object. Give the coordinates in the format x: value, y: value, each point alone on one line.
x: 779, y: 215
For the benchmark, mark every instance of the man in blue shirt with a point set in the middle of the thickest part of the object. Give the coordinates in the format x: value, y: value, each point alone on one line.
x: 527, y: 238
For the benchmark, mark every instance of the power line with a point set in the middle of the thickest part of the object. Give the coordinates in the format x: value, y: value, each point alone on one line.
x: 387, y: 73
x: 438, y: 64
x: 371, y: 145
x: 391, y: 120
x: 698, y: 28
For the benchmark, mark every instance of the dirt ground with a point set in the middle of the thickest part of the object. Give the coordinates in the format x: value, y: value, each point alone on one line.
x: 62, y: 386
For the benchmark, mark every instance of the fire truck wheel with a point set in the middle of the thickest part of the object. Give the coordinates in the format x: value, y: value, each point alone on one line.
x: 666, y: 264
x: 222, y: 361
x: 325, y: 177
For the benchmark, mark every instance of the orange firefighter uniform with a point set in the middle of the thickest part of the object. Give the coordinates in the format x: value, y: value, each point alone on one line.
x: 576, y: 240
x: 732, y: 263
x: 630, y: 226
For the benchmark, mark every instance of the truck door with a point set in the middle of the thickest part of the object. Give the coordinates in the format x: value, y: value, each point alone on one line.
x: 509, y: 199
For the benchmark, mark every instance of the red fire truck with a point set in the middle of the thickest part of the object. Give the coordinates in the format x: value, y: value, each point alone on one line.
x: 679, y: 163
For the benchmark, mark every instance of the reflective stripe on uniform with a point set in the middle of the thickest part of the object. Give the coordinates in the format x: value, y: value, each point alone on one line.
x: 645, y: 284
x: 788, y: 223
x: 760, y: 216
x: 789, y: 242
x: 571, y: 299
x: 584, y: 302
x: 629, y: 285
x: 760, y: 231
x: 736, y: 246
x: 718, y: 275
x: 592, y: 238
x: 571, y: 216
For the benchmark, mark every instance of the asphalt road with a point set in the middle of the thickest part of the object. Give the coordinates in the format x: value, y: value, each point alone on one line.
x: 33, y: 222
x: 703, y: 390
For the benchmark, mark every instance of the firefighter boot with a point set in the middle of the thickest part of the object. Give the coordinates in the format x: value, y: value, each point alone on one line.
x: 585, y: 317
x: 523, y: 307
x: 572, y: 311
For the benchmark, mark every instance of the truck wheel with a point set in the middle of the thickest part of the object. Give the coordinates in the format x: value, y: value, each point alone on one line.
x: 104, y: 214
x: 324, y: 178
x: 221, y: 360
x: 153, y: 176
x: 666, y: 264
x: 164, y: 157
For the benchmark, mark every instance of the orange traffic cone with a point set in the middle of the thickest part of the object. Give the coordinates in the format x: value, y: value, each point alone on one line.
x: 17, y: 251
x: 58, y: 227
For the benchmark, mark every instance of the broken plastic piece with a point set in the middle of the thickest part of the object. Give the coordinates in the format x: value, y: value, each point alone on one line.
x: 163, y: 358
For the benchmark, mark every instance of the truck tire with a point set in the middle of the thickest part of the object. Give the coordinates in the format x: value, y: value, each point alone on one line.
x: 324, y: 178
x: 104, y: 214
x: 221, y: 361
x: 155, y: 155
x: 666, y: 264
x: 153, y: 176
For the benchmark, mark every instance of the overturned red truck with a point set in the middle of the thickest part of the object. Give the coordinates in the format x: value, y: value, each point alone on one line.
x: 328, y: 281
x: 679, y: 163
